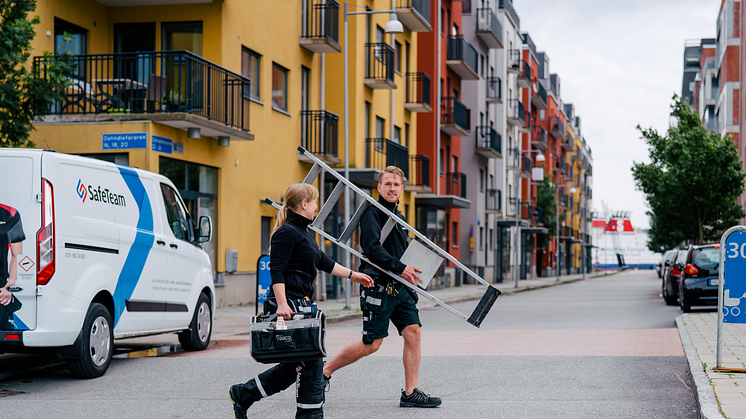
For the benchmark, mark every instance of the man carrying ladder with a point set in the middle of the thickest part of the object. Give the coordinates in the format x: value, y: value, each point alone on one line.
x: 388, y: 299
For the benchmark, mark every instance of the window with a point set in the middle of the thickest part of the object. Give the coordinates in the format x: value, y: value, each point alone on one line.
x: 490, y: 237
x: 481, y: 181
x: 454, y: 227
x: 266, y: 233
x: 77, y: 46
x: 367, y: 119
x: 176, y: 214
x: 407, y: 49
x: 380, y: 125
x: 398, y: 52
x: 279, y: 87
x: 250, y: 68
x: 454, y: 165
x: 442, y: 162
x: 481, y: 238
x: 380, y: 49
x: 481, y: 65
x: 442, y: 22
x: 305, y: 83
x: 397, y: 135
x: 182, y: 35
x: 542, y: 114
x: 406, y: 135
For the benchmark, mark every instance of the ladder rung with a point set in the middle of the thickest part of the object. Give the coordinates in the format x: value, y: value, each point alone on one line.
x: 484, y: 306
x: 354, y: 221
x: 329, y: 205
x: 311, y: 176
x: 390, y: 223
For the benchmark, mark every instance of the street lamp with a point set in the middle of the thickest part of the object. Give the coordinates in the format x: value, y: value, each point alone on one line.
x: 539, y: 158
x: 556, y: 232
x: 393, y: 26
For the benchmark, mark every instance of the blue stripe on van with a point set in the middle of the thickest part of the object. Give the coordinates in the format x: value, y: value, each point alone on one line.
x: 20, y: 325
x: 144, y: 239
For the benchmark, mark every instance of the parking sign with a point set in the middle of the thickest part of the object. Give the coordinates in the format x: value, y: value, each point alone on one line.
x: 734, y: 278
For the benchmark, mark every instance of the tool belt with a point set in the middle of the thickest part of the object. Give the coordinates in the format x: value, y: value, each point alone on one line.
x: 302, y: 339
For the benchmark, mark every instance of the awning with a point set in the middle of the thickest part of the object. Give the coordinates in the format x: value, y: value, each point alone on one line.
x: 442, y: 201
x: 534, y: 230
x: 511, y: 223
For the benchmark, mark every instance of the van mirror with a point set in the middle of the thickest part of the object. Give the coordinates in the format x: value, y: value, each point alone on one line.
x: 204, y: 234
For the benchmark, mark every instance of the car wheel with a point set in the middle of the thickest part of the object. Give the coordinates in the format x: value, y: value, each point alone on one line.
x: 685, y: 306
x: 197, y: 338
x: 98, y: 344
x: 669, y: 299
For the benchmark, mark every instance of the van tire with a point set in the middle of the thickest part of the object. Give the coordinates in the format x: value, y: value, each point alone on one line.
x: 98, y: 344
x: 197, y: 337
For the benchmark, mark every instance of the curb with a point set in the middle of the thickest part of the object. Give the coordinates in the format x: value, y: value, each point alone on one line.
x: 708, y: 405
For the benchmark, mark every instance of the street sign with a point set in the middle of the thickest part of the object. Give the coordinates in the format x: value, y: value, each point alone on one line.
x: 263, y: 280
x: 734, y: 278
x: 125, y: 141
x: 161, y: 144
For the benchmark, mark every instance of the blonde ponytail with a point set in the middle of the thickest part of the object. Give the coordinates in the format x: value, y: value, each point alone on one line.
x: 295, y: 194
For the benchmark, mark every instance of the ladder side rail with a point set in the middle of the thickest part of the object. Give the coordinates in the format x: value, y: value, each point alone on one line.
x: 395, y: 276
x: 329, y: 205
x: 350, y: 228
x: 409, y: 228
x: 387, y: 228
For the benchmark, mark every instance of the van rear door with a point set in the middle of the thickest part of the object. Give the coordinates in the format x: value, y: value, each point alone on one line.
x: 20, y: 195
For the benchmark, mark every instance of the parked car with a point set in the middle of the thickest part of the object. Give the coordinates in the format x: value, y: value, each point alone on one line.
x: 658, y: 269
x: 670, y: 277
x: 698, y: 284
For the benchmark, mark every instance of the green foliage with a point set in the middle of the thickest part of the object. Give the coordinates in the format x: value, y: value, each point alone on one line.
x: 23, y: 93
x: 546, y: 199
x: 692, y: 183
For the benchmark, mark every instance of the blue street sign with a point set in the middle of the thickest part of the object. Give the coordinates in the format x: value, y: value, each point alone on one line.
x: 734, y: 278
x: 125, y: 141
x: 161, y: 144
x: 263, y: 280
x: 179, y: 148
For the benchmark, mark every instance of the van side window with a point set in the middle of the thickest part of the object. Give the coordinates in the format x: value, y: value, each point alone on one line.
x: 176, y: 214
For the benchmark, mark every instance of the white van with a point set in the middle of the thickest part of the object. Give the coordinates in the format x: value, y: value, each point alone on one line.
x: 109, y: 252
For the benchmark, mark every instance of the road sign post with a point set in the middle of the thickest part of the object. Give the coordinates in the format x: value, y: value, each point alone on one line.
x: 731, y: 283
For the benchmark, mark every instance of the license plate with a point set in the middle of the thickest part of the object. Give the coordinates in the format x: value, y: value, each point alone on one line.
x: 715, y: 282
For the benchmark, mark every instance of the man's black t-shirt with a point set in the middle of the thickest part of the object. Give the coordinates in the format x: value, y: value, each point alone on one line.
x: 11, y: 231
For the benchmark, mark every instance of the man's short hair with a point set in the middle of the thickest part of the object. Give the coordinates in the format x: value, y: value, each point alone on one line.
x: 391, y: 169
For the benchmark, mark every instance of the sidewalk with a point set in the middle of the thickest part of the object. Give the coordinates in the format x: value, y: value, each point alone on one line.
x: 717, y: 391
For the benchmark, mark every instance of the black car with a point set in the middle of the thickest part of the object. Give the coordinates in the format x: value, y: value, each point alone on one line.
x: 698, y: 284
x: 670, y: 278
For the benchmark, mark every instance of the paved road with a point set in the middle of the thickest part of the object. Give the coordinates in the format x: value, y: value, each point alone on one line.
x: 602, y: 348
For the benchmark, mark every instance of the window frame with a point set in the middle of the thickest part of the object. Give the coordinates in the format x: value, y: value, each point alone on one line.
x: 255, y: 87
x: 285, y: 76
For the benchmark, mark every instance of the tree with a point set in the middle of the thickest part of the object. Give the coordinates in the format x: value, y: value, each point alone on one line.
x: 24, y: 94
x: 546, y: 200
x: 692, y: 183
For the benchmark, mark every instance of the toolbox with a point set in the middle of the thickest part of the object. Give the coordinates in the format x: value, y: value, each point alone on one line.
x: 300, y: 339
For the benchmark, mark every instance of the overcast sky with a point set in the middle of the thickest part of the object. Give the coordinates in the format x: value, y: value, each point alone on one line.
x: 620, y: 64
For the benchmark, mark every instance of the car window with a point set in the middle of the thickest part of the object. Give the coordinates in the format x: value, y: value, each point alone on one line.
x: 176, y: 214
x: 681, y: 258
x: 669, y: 255
x: 706, y: 257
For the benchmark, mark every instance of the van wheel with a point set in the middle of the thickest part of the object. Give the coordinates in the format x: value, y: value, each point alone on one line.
x: 98, y: 344
x: 197, y: 338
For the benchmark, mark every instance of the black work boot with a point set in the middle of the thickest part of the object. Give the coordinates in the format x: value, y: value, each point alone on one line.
x: 239, y: 412
x: 418, y: 399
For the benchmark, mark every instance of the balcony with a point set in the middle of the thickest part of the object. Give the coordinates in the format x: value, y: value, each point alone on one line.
x: 514, y: 61
x: 319, y: 134
x: 379, y: 73
x: 524, y: 77
x: 494, y: 90
x: 175, y: 88
x: 414, y: 14
x: 455, y: 117
x: 456, y: 184
x: 507, y: 7
x: 538, y: 95
x: 489, y: 29
x: 539, y: 138
x: 418, y: 93
x: 493, y: 200
x: 419, y: 171
x: 525, y: 167
x: 489, y: 143
x: 382, y: 152
x: 516, y: 114
x: 320, y: 30
x: 462, y: 58
x: 557, y: 128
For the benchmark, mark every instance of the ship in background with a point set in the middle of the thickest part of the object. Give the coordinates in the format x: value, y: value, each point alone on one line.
x: 617, y: 245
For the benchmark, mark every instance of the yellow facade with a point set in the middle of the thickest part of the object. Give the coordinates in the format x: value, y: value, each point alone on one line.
x: 248, y: 170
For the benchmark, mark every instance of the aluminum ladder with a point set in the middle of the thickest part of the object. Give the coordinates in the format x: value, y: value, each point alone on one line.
x: 485, y: 303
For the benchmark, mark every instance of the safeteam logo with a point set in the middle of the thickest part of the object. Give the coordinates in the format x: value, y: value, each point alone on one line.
x: 82, y: 192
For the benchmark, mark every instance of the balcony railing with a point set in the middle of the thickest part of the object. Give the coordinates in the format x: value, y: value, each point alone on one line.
x: 382, y: 152
x: 414, y: 14
x: 494, y: 90
x: 493, y: 200
x: 514, y: 60
x: 526, y: 164
x: 539, y: 138
x: 455, y: 113
x: 319, y: 132
x: 153, y: 82
x: 516, y: 111
x: 320, y: 26
x: 538, y: 95
x: 379, y: 73
x: 489, y: 142
x: 557, y: 127
x: 418, y: 93
x: 507, y: 6
x: 462, y: 57
x: 456, y: 184
x: 419, y: 170
x: 489, y: 29
x: 524, y: 77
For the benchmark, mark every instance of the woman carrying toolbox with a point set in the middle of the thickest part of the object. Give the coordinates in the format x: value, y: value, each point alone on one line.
x: 294, y: 257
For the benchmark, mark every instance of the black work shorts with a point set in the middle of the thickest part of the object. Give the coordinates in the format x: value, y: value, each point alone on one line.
x: 379, y: 307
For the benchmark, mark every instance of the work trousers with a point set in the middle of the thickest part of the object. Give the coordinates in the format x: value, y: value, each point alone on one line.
x: 309, y: 381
